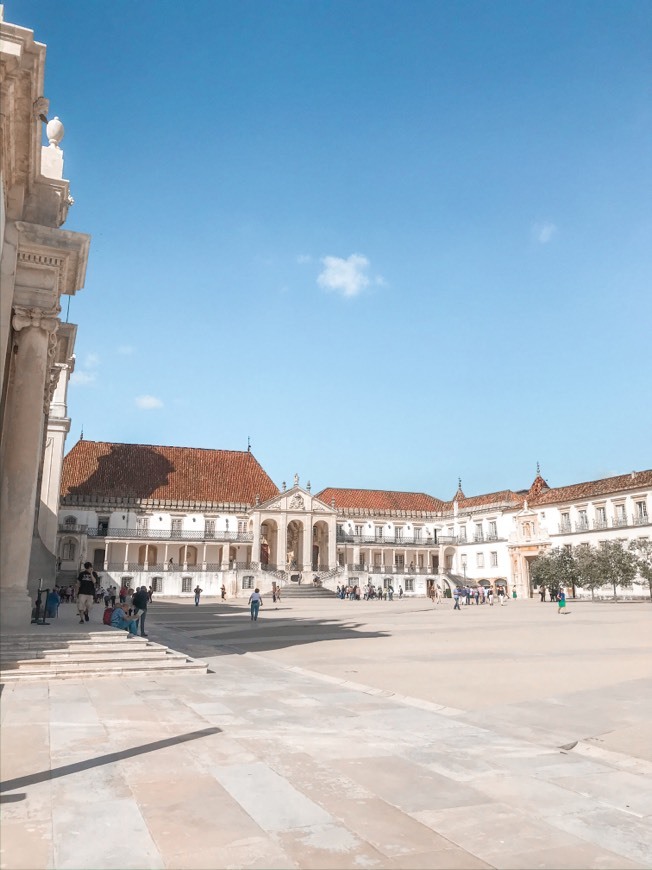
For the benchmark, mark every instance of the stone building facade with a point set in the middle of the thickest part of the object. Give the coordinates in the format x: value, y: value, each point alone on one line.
x: 39, y: 263
x: 172, y: 517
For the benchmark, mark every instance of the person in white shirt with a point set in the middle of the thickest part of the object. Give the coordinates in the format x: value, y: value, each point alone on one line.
x: 255, y: 600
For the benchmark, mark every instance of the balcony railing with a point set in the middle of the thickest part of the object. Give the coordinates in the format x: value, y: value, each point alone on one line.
x: 73, y: 528
x: 640, y: 520
x: 582, y: 526
x: 169, y: 535
x: 602, y: 524
x: 393, y: 569
x: 391, y: 540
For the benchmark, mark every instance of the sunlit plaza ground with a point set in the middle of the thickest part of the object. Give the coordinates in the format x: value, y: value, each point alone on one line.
x: 347, y: 734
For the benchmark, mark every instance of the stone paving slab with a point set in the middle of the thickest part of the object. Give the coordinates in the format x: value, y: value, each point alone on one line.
x: 277, y: 761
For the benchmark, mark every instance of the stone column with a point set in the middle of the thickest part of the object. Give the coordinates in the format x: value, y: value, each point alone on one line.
x: 34, y: 331
x: 307, y: 545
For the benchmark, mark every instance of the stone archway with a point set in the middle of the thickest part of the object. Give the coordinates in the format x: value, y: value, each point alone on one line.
x: 268, y: 543
x: 294, y: 546
x: 320, y: 540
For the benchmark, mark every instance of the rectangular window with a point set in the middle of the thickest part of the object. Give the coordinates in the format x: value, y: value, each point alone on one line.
x: 186, y: 584
x: 621, y: 519
x: 142, y: 525
x: 379, y: 533
x: 480, y: 560
x: 600, y: 517
x: 399, y: 561
x: 127, y: 581
x: 417, y: 533
x: 242, y: 527
x: 247, y: 582
x: 209, y: 528
x: 565, y: 523
x: 387, y: 582
x: 494, y: 559
x: 641, y: 513
x: 399, y: 533
x: 478, y: 532
x: 493, y: 530
x: 157, y: 584
x: 102, y: 525
x: 582, y: 520
x: 359, y: 531
x: 462, y: 534
x: 409, y: 584
x: 177, y: 527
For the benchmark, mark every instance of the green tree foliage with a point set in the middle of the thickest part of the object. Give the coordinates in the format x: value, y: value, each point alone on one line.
x: 554, y: 570
x: 616, y: 564
x: 589, y: 573
x: 642, y: 552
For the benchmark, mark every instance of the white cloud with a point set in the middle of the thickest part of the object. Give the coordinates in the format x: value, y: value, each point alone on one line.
x: 544, y: 232
x: 82, y: 378
x: 125, y: 349
x: 147, y: 403
x: 346, y: 276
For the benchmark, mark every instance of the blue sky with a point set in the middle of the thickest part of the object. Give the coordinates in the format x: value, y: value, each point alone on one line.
x: 393, y: 243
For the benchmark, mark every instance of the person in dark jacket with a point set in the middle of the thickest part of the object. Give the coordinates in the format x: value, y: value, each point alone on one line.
x: 140, y: 601
x: 85, y: 592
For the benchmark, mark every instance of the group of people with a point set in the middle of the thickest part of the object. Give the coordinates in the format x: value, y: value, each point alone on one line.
x: 128, y: 613
x: 367, y: 593
x: 479, y: 595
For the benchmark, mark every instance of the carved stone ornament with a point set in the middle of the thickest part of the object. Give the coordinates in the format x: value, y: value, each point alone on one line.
x: 296, y: 502
x: 40, y: 109
x: 47, y: 320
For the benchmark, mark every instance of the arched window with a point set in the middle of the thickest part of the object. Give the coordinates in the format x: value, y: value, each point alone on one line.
x: 147, y: 553
x: 70, y: 521
x: 188, y: 555
x: 68, y: 550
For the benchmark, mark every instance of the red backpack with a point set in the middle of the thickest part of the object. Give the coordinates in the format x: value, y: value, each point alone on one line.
x: 108, y: 613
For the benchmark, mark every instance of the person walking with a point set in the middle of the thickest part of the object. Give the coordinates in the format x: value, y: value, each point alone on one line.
x: 140, y: 602
x: 198, y: 592
x: 85, y: 593
x: 223, y: 592
x: 561, y: 601
x: 456, y: 596
x: 255, y: 600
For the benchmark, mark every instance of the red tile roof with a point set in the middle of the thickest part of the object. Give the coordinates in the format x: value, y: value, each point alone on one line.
x: 381, y: 500
x: 594, y: 488
x: 99, y: 469
x: 504, y: 497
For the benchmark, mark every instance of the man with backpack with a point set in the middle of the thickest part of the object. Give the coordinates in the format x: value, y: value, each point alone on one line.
x: 85, y: 592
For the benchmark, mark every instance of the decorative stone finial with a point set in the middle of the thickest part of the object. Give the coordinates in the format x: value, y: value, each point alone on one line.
x: 284, y: 487
x: 296, y: 480
x: 538, y: 469
x: 308, y: 486
x: 55, y: 132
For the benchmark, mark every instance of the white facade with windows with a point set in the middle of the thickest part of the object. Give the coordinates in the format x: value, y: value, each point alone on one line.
x: 350, y: 537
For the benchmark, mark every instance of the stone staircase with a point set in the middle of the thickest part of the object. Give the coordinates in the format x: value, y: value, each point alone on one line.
x: 107, y: 653
x: 305, y: 590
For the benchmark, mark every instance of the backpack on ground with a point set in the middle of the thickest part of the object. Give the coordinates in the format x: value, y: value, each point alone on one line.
x: 108, y: 613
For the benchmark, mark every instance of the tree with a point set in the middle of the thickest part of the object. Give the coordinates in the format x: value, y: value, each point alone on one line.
x: 542, y: 572
x: 589, y: 574
x: 642, y: 551
x: 616, y: 564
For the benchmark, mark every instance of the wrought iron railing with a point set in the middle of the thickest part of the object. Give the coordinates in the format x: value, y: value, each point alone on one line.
x: 167, y: 534
x: 391, y: 540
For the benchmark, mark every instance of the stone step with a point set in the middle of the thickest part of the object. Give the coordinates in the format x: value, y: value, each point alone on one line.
x: 64, y: 666
x: 129, y: 669
x: 83, y: 657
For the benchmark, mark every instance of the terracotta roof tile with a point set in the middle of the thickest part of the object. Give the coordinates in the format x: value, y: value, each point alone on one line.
x: 101, y: 469
x: 381, y: 500
x: 595, y: 488
x: 504, y: 496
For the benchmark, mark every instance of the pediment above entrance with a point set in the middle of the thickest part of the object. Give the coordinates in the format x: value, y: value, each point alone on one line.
x: 296, y: 500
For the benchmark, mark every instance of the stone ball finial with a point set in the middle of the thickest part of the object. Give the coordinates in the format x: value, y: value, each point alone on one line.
x: 55, y: 132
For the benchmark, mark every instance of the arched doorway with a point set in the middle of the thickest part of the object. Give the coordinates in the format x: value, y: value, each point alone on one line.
x: 268, y: 543
x: 147, y: 553
x: 320, y: 546
x: 188, y: 555
x: 294, y: 555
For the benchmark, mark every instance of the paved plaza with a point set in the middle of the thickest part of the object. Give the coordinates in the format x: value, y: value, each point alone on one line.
x: 345, y: 734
